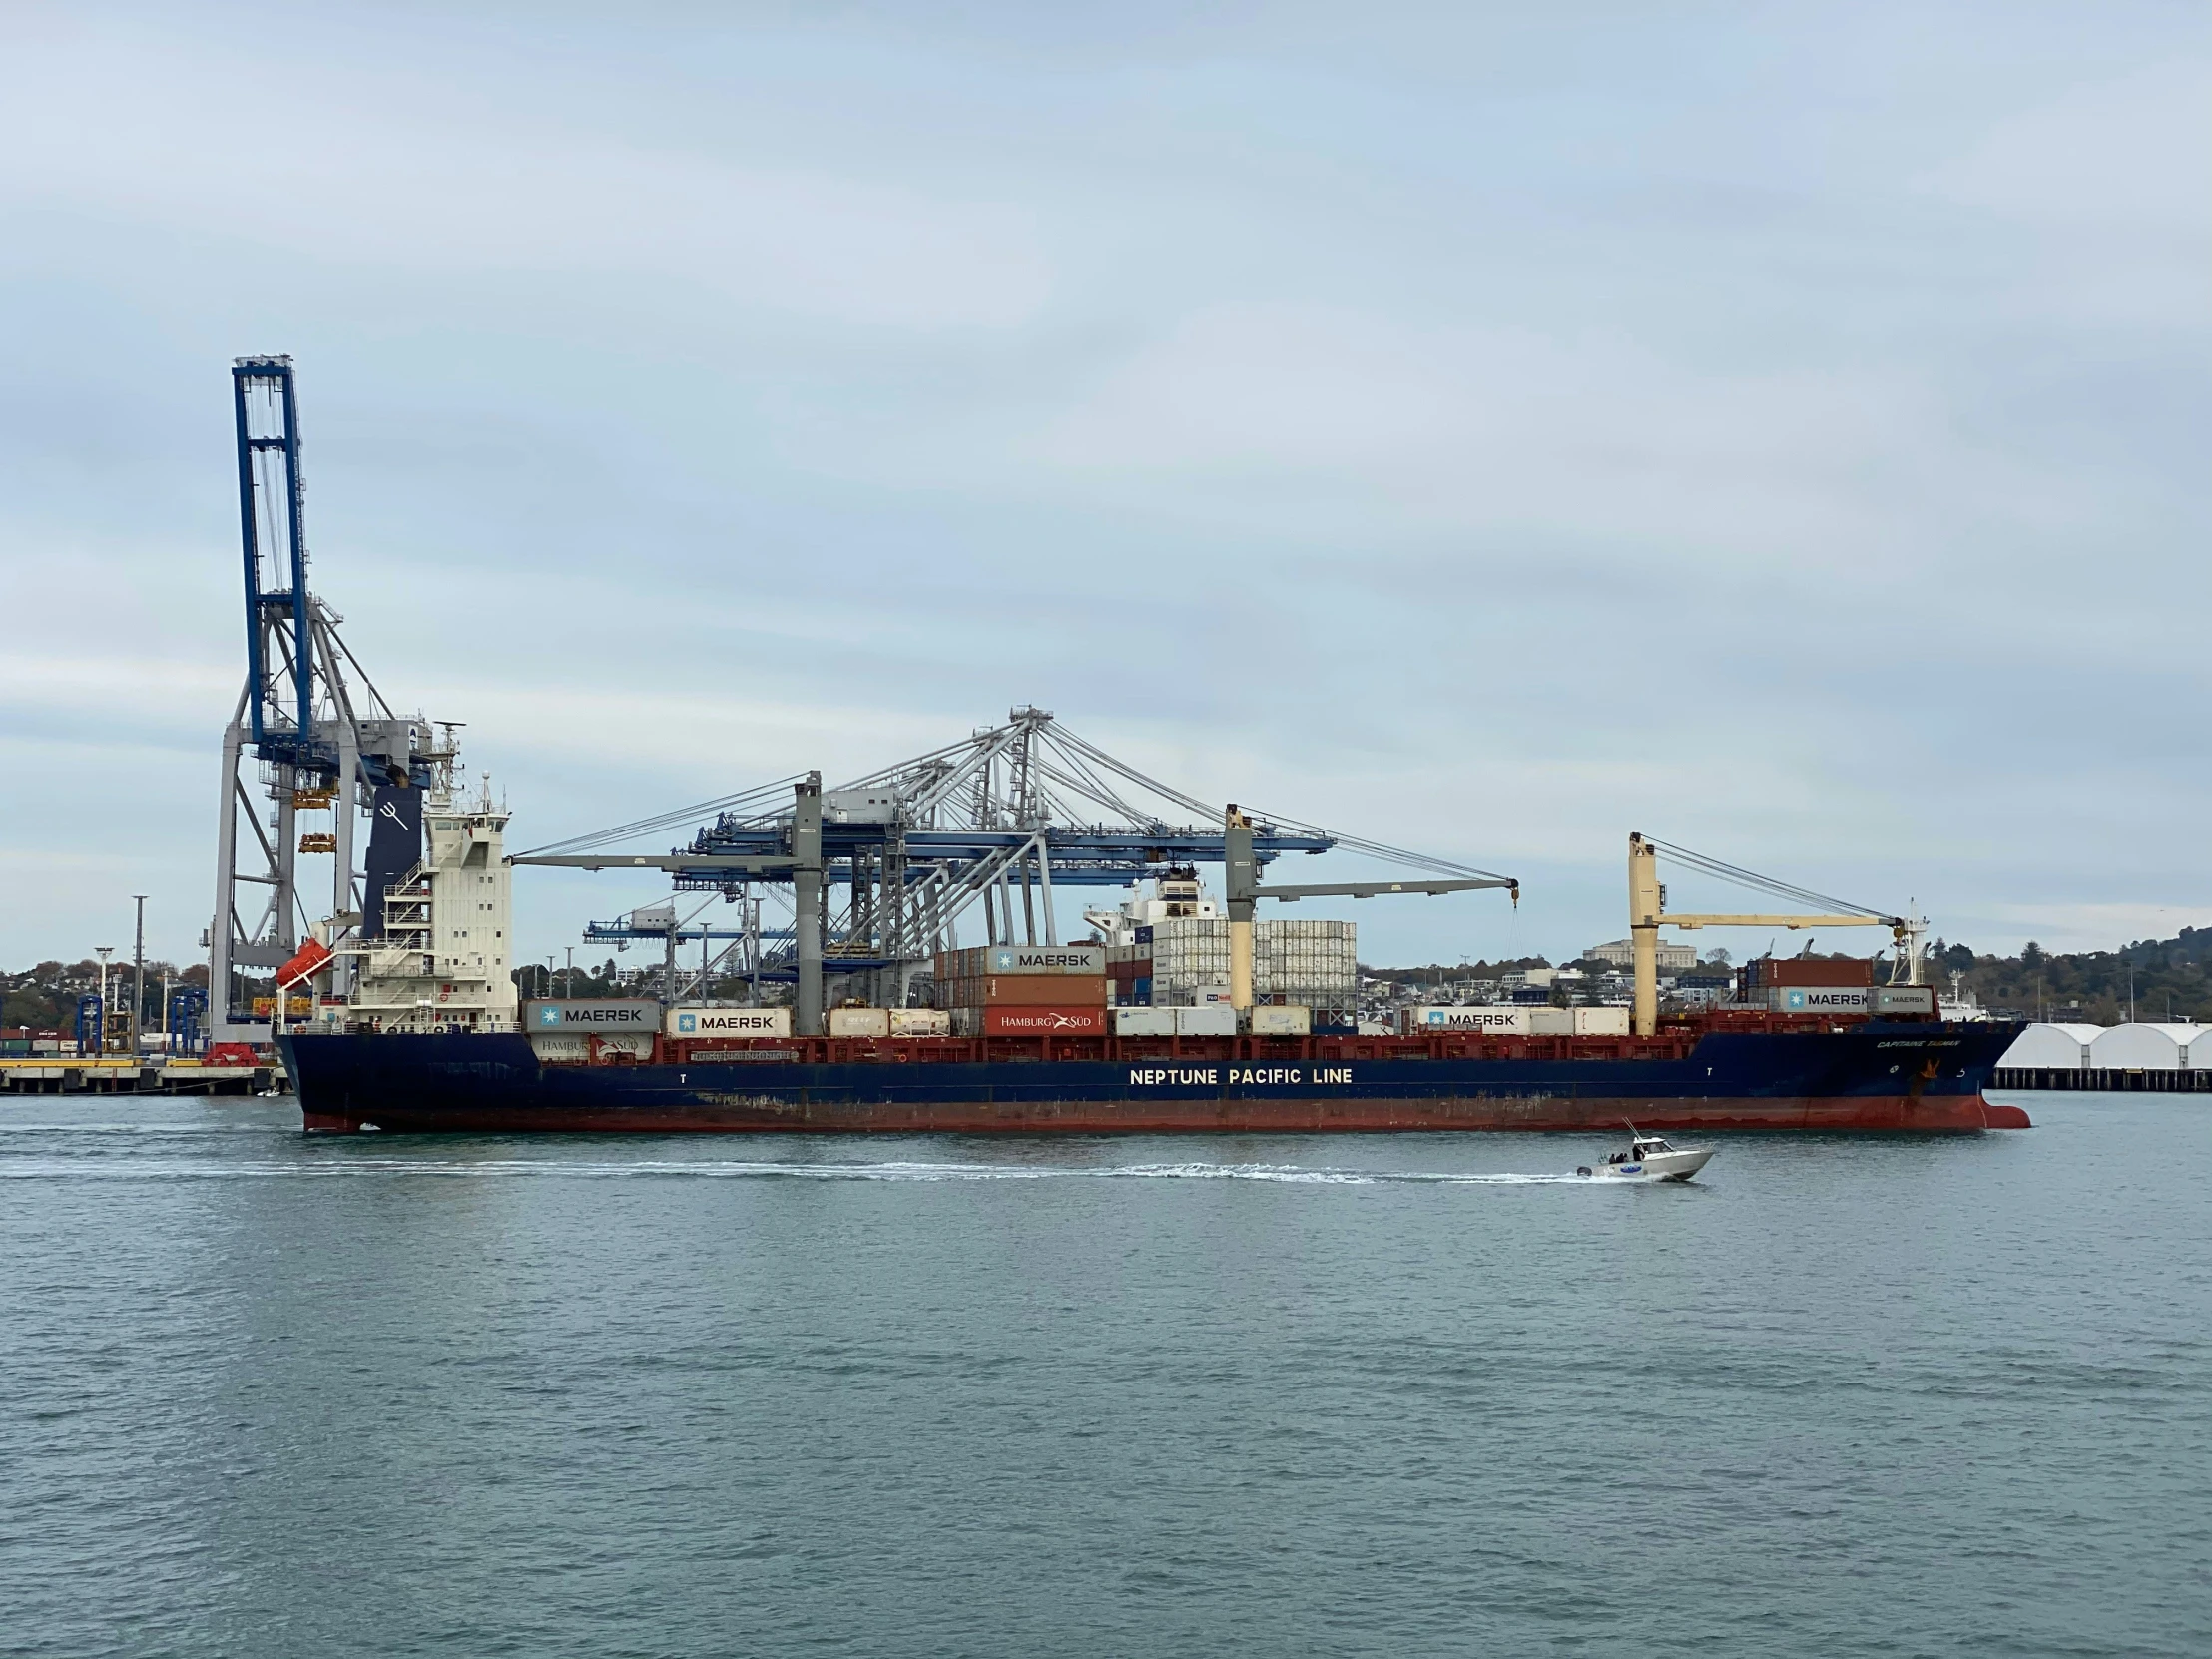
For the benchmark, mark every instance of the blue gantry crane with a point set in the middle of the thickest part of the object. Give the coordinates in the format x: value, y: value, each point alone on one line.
x: 313, y: 728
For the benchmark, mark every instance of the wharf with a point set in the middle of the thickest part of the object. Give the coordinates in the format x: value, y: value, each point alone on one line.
x: 118, y: 1074
x: 2103, y: 1080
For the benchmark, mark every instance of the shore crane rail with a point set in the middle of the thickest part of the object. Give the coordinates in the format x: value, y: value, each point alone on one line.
x: 1647, y: 913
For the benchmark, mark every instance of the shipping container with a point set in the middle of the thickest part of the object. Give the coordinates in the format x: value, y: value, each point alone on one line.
x: 859, y: 1023
x: 1768, y: 972
x: 1503, y: 1022
x: 1082, y: 959
x: 1085, y: 961
x: 1044, y: 990
x: 1551, y: 1022
x: 921, y: 1022
x: 1217, y: 1021
x: 1025, y: 1020
x: 1144, y: 1022
x: 728, y: 1022
x: 1602, y: 1022
x: 1903, y: 999
x: 607, y: 1018
x: 1818, y: 999
x: 1282, y: 1022
x: 1207, y: 996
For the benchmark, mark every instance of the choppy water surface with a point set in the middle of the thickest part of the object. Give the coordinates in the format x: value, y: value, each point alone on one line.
x: 265, y: 1396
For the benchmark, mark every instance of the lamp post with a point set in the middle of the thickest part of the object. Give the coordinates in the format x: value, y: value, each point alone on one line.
x: 102, y: 951
x: 568, y: 975
x: 138, y: 981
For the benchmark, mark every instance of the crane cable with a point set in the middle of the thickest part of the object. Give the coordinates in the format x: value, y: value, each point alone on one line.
x: 1738, y: 876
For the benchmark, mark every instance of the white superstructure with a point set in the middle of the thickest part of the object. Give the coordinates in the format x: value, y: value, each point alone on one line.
x: 445, y: 959
x: 1173, y: 898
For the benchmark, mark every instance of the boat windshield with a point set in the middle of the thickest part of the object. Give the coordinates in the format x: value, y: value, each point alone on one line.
x: 1645, y: 1149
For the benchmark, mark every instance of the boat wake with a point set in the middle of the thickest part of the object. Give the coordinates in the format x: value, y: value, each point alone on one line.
x: 709, y: 1168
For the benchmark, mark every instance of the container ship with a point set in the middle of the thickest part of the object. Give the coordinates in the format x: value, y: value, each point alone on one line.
x: 1052, y: 1039
x: 1716, y: 1073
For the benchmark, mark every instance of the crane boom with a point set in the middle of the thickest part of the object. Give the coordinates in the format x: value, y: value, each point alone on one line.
x: 1647, y: 913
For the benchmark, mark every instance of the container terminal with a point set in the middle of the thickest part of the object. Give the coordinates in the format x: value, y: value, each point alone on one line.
x: 393, y: 1005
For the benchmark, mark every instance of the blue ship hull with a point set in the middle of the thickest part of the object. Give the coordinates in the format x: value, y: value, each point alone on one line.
x: 1873, y: 1078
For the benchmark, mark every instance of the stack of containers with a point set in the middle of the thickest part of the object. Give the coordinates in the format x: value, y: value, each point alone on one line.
x: 1024, y: 991
x: 1129, y: 972
x: 1184, y: 961
x: 1312, y: 964
x: 1188, y: 952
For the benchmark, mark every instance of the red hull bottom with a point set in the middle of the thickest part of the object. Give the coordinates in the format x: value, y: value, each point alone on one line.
x: 739, y: 1114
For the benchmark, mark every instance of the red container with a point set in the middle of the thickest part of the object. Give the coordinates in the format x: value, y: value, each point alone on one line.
x: 1044, y: 990
x: 1825, y: 972
x: 1023, y: 1020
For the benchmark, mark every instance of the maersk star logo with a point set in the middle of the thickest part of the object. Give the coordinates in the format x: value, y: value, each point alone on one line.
x: 1795, y: 1000
x: 549, y: 1016
x: 686, y: 1023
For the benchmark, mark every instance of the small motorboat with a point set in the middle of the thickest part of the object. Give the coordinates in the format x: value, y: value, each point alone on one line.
x: 1648, y: 1158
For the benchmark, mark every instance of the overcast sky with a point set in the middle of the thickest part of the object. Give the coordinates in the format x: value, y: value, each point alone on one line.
x: 1778, y: 428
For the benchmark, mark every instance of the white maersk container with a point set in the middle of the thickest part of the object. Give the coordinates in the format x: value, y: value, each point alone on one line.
x: 1085, y: 961
x: 728, y: 1022
x: 1903, y: 999
x: 1551, y: 1022
x: 1282, y: 1021
x: 1818, y: 999
x: 859, y: 1023
x: 1144, y: 1022
x: 921, y: 1022
x: 1217, y: 1021
x: 1491, y: 1022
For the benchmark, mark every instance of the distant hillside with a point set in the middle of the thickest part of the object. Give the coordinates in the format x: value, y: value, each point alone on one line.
x: 44, y: 997
x: 2092, y: 987
x: 2170, y: 979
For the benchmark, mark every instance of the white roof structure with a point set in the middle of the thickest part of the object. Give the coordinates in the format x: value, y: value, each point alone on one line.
x: 2142, y: 1047
x: 2052, y: 1047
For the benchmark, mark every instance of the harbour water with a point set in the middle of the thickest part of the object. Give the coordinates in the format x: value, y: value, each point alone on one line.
x: 268, y: 1396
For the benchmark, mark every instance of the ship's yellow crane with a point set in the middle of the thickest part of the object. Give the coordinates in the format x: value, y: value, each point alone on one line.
x: 1647, y: 913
